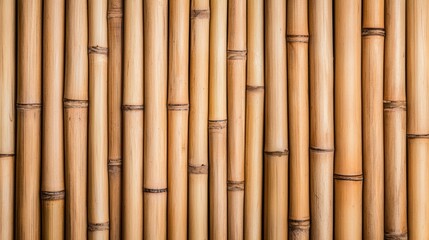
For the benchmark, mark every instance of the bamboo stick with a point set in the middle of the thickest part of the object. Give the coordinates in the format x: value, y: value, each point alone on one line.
x: 395, y: 171
x: 52, y: 185
x: 28, y: 134
x: 217, y: 122
x: 276, y: 132
x: 114, y: 19
x: 7, y: 117
x: 155, y: 124
x: 254, y: 121
x: 133, y: 116
x: 348, y: 134
x: 178, y: 110
x: 98, y: 189
x: 418, y: 117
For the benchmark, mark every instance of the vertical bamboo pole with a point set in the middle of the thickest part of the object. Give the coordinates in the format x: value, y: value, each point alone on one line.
x: 236, y: 56
x: 155, y: 124
x: 52, y: 185
x: 76, y: 118
x: 276, y: 132
x: 133, y: 114
x: 372, y: 106
x: 178, y: 110
x: 418, y: 117
x: 98, y: 189
x: 254, y: 121
x: 218, y: 119
x: 395, y: 148
x: 321, y: 119
x: 28, y: 135
x: 114, y: 18
x: 348, y: 130
x: 7, y: 117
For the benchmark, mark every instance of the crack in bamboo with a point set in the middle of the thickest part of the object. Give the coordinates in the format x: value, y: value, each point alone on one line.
x: 98, y: 50
x: 277, y: 153
x: 52, y: 195
x: 297, y: 38
x: 178, y: 107
x: 367, y: 32
x: 203, y: 169
x: 251, y: 88
x: 6, y: 155
x: 201, y: 14
x: 95, y: 227
x: 412, y: 135
x: 236, y: 54
x: 396, y: 236
x: 235, y: 185
x: 395, y: 105
x: 155, y: 190
x: 341, y: 177
x: 321, y: 150
x: 132, y: 107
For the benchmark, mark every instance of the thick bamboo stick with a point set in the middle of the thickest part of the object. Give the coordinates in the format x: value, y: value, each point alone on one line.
x: 178, y: 110
x: 372, y: 106
x: 348, y: 130
x: 98, y: 189
x: 76, y: 118
x: 133, y: 114
x: 52, y: 185
x: 254, y: 121
x: 28, y: 134
x: 236, y: 55
x: 218, y: 119
x: 114, y: 21
x: 276, y: 132
x: 418, y: 117
x: 155, y: 124
x: 321, y: 119
x: 7, y: 117
x: 395, y: 148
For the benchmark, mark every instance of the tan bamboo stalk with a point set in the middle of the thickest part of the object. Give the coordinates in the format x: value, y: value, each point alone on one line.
x: 372, y: 108
x: 155, y: 20
x: 98, y: 189
x: 418, y: 118
x: 321, y: 119
x: 133, y: 114
x: 178, y: 110
x: 254, y: 121
x: 348, y: 130
x: 52, y: 185
x: 218, y: 120
x: 7, y: 117
x: 395, y: 148
x: 76, y: 118
x: 114, y: 21
x: 28, y: 134
x: 276, y: 132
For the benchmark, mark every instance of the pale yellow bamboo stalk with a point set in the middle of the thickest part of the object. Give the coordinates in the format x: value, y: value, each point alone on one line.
x: 7, y: 117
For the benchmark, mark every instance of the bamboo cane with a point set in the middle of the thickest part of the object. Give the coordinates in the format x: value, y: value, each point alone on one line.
x: 276, y: 132
x: 236, y: 56
x: 395, y: 171
x: 98, y: 189
x: 75, y: 118
x: 372, y: 100
x: 7, y: 117
x: 114, y: 18
x: 155, y: 124
x: 254, y: 121
x: 28, y: 135
x: 348, y: 134
x: 52, y: 185
x: 218, y: 120
x: 321, y: 119
x: 178, y: 110
x: 418, y: 117
x: 133, y: 114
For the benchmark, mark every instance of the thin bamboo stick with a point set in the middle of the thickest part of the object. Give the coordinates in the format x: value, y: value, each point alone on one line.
x: 217, y: 122
x: 395, y: 148
x: 321, y: 119
x: 254, y: 121
x: 7, y: 117
x: 28, y: 135
x: 276, y: 132
x: 114, y: 19
x: 98, y: 189
x: 52, y: 185
x: 133, y: 116
x: 418, y: 117
x: 155, y: 124
x: 178, y: 110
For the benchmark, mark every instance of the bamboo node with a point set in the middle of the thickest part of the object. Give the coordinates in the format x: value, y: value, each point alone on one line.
x: 28, y: 106
x: 297, y: 38
x: 373, y: 32
x: 52, y: 196
x: 132, y: 107
x: 6, y: 155
x: 413, y: 135
x: 114, y: 13
x: 395, y: 105
x: 155, y: 190
x: 200, y: 13
x: 251, y: 88
x: 115, y: 165
x: 70, y: 103
x: 178, y: 107
x: 341, y: 177
x: 95, y: 227
x: 277, y: 153
x: 235, y: 185
x: 98, y: 50
x: 217, y: 124
x: 395, y: 236
x: 200, y: 169
x: 321, y: 150
x: 236, y: 54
